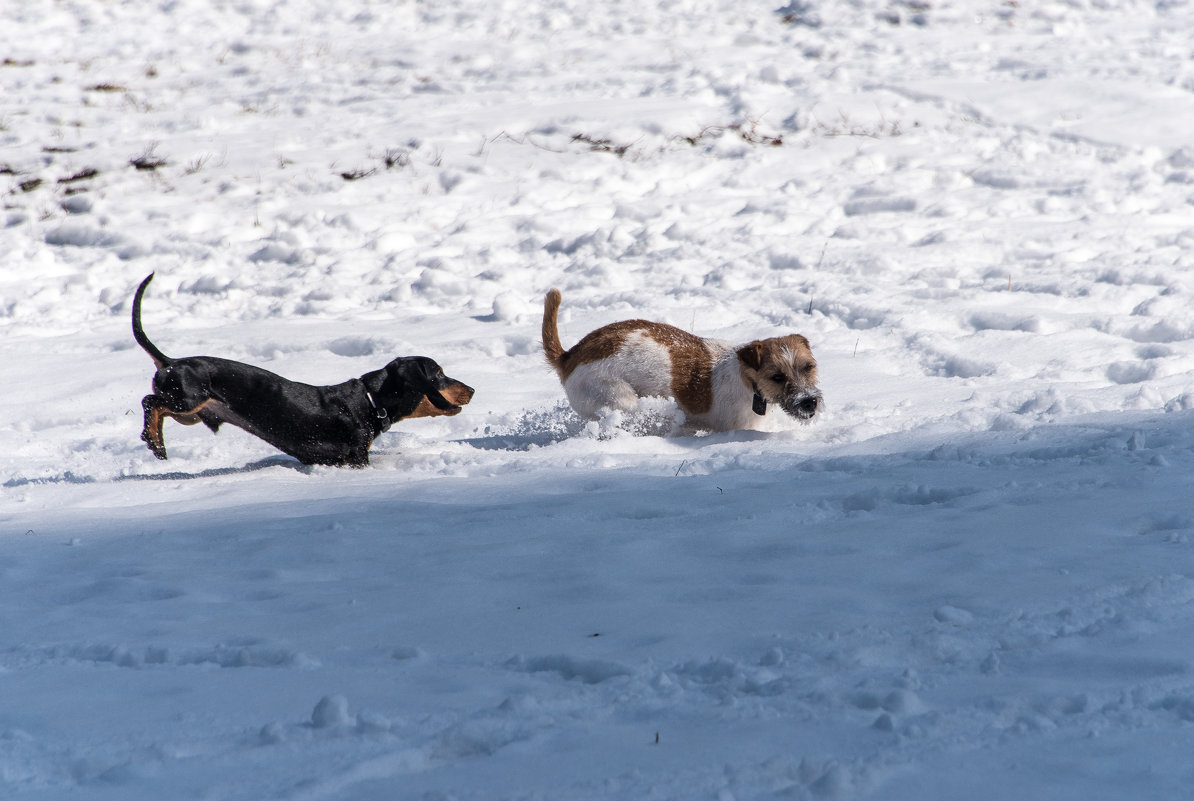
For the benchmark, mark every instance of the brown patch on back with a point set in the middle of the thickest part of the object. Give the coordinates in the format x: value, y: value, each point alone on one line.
x: 598, y: 344
x: 692, y: 364
x: 692, y: 367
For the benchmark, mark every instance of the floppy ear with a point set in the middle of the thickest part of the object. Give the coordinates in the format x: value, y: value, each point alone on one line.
x: 751, y: 355
x: 383, y: 381
x: 374, y: 379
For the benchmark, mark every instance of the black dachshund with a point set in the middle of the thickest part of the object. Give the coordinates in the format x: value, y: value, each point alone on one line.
x: 332, y: 425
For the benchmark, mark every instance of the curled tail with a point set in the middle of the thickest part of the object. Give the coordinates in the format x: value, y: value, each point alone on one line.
x: 159, y: 359
x: 552, y: 349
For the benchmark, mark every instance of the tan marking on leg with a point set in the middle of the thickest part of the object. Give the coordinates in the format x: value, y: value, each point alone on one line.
x: 155, y: 417
x: 151, y: 433
x: 187, y: 418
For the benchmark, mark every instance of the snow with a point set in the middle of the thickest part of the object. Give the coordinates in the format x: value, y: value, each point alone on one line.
x: 969, y: 577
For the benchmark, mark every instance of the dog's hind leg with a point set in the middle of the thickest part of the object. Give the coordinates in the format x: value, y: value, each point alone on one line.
x: 591, y: 394
x: 157, y: 409
x: 152, y: 431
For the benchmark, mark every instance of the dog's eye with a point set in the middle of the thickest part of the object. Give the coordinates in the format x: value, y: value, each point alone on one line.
x: 779, y: 378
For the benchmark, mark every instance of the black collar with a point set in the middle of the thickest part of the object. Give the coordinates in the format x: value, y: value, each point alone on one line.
x: 381, y: 417
x: 759, y: 404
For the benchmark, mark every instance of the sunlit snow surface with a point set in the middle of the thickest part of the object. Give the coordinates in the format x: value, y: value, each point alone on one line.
x: 970, y: 577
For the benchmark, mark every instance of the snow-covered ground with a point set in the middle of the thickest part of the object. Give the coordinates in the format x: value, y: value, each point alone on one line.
x: 971, y: 577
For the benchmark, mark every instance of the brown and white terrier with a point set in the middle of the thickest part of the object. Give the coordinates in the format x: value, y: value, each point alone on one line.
x: 719, y: 386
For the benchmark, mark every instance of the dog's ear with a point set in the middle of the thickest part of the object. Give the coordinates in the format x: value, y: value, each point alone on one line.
x: 375, y: 380
x: 427, y: 377
x: 418, y: 369
x: 392, y: 389
x: 751, y: 355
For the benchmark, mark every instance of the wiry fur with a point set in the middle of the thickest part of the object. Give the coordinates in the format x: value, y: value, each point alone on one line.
x: 714, y: 382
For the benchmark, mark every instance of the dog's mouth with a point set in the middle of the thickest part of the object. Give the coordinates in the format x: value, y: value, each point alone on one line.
x: 449, y: 400
x: 458, y: 395
x: 435, y: 408
x: 803, y: 406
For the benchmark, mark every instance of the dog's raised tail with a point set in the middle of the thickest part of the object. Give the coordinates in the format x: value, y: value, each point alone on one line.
x: 552, y: 348
x: 159, y: 359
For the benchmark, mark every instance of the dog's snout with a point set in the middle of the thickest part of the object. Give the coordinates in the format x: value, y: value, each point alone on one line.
x: 459, y: 393
x: 804, y: 406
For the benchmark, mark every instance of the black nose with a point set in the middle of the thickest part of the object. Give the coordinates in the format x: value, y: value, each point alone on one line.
x: 808, y: 406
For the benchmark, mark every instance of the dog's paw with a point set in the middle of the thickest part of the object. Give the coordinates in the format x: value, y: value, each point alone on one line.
x: 156, y: 448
